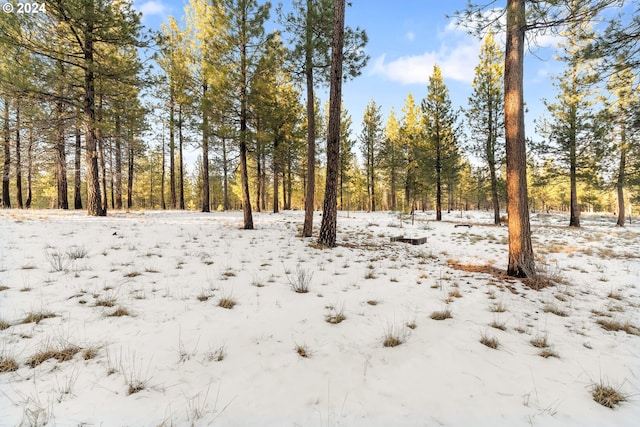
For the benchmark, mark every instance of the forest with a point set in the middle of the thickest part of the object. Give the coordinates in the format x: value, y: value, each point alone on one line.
x: 97, y: 113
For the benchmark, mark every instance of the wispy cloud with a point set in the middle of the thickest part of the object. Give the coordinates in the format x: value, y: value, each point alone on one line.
x: 411, y: 36
x: 153, y: 7
x: 457, y: 56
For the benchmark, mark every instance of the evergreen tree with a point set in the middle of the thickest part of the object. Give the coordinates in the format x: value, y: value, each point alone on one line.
x: 439, y: 120
x: 623, y: 110
x: 486, y: 114
x: 572, y: 131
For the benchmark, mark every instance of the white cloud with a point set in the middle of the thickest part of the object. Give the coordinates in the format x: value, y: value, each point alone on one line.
x: 457, y: 62
x: 411, y: 36
x: 153, y: 7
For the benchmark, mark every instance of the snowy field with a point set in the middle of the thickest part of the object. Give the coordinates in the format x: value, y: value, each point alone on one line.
x: 181, y: 318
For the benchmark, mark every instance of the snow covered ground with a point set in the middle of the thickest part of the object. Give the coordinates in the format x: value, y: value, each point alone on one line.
x: 116, y: 321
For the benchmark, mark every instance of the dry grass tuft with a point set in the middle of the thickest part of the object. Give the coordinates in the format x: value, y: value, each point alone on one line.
x: 61, y: 355
x: 613, y: 325
x: 539, y: 342
x: 37, y: 317
x: 302, y: 351
x: 335, y: 316
x: 3, y: 288
x: 551, y: 308
x: 441, y: 315
x: 455, y: 294
x: 490, y: 342
x: 498, y: 325
x: 105, y: 302
x: 393, y: 337
x: 90, y: 353
x: 373, y: 302
x: 119, y: 312
x: 8, y: 364
x: 4, y: 325
x: 547, y: 352
x: 227, y: 302
x: 606, y: 395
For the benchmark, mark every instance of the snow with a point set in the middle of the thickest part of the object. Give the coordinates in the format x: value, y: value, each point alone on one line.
x: 170, y: 270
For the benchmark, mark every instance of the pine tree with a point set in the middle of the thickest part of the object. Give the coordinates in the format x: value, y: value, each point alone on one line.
x: 439, y: 121
x: 572, y: 131
x: 486, y: 114
x: 625, y: 87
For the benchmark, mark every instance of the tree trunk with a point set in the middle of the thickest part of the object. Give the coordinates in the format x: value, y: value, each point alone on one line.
x: 6, y: 199
x: 491, y: 160
x: 521, y: 261
x: 310, y: 189
x: 130, y: 175
x: 225, y: 177
x: 18, y: 159
x: 91, y: 156
x: 621, y: 176
x: 206, y: 197
x: 438, y: 183
x: 574, y: 220
x: 118, y: 138
x: 276, y: 172
x: 29, y: 167
x: 163, y: 202
x: 244, y: 175
x: 180, y: 159
x: 77, y: 176
x: 172, y: 152
x: 329, y: 215
x: 61, y: 159
x: 101, y: 155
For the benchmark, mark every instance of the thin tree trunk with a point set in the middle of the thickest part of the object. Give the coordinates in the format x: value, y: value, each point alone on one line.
x: 225, y: 177
x: 163, y: 202
x: 521, y: 260
x: 6, y: 199
x: 61, y: 159
x: 307, y: 229
x: 276, y: 172
x: 118, y: 130
x: 77, y: 178
x: 18, y: 159
x: 206, y: 197
x: 101, y: 155
x: 244, y: 174
x: 438, y: 181
x: 330, y: 215
x: 180, y: 158
x: 29, y: 166
x: 621, y: 177
x: 130, y: 174
x: 574, y: 220
x: 172, y: 153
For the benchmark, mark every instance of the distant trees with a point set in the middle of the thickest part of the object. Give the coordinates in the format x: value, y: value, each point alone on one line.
x: 371, y: 144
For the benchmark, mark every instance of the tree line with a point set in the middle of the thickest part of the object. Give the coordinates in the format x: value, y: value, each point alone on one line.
x: 98, y: 111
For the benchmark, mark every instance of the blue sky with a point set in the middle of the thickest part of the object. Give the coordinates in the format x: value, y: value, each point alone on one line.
x: 406, y: 39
